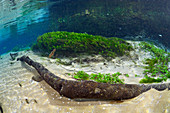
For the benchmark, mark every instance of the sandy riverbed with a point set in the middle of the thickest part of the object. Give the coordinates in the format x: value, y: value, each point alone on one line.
x: 19, y: 93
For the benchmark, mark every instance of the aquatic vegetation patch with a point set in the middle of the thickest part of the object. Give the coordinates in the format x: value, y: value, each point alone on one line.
x: 137, y: 75
x: 157, y: 66
x: 70, y: 44
x: 151, y: 80
x: 99, y: 77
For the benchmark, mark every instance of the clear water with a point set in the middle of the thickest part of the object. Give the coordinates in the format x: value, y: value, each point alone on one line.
x: 22, y: 21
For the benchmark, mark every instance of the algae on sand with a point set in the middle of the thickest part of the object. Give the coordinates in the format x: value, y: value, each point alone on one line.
x: 72, y: 44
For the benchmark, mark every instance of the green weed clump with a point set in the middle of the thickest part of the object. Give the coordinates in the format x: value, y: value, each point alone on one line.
x: 70, y: 43
x: 157, y: 67
x: 102, y: 78
x: 150, y: 80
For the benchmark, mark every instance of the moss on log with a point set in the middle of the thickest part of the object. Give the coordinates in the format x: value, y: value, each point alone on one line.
x: 91, y: 89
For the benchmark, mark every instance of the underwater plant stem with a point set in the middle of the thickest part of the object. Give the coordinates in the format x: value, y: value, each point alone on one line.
x: 90, y: 89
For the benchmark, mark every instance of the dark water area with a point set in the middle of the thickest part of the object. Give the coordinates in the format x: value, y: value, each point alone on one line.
x: 22, y: 21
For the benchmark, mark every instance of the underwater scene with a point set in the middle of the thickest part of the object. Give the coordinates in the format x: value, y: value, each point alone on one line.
x: 84, y: 56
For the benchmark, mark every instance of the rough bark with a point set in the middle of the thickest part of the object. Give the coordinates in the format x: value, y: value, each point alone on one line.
x: 91, y: 89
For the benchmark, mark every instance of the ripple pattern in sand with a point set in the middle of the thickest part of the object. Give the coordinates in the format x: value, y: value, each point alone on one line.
x: 20, y: 94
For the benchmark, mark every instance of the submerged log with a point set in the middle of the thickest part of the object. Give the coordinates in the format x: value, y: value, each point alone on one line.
x: 90, y: 89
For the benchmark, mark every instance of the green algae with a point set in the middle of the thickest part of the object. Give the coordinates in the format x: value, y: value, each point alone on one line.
x: 72, y: 44
x: 157, y: 66
x: 99, y: 77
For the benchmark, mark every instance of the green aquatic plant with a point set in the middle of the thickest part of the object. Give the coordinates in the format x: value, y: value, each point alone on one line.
x: 151, y: 80
x: 137, y: 75
x: 99, y: 77
x: 155, y: 51
x: 81, y: 75
x: 72, y: 44
x: 157, y: 66
x: 127, y: 75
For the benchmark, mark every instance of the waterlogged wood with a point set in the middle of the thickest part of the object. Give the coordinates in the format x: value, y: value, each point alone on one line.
x: 91, y: 89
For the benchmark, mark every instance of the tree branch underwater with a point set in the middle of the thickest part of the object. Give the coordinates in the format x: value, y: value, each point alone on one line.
x: 90, y: 89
